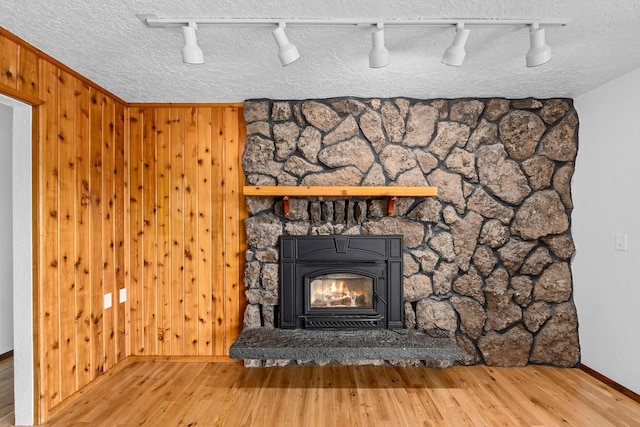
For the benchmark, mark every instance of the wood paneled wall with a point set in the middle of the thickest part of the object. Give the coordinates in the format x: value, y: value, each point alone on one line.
x: 146, y: 198
x: 186, y: 213
x: 79, y: 151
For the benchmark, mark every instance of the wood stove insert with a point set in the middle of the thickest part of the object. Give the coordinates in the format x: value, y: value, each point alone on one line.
x: 341, y: 282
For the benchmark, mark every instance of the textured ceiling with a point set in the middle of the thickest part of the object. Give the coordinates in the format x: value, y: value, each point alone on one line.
x: 108, y: 44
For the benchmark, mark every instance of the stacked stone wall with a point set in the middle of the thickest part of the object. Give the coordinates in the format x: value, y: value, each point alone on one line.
x: 487, y: 261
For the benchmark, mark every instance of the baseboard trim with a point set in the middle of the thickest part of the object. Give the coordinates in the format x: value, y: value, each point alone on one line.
x: 6, y: 355
x: 611, y: 383
x: 200, y: 359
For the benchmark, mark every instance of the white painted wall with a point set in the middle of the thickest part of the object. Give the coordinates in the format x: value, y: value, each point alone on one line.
x: 607, y: 202
x: 6, y: 248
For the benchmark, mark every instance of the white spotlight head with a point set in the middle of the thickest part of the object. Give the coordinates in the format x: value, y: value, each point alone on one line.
x: 379, y: 55
x: 191, y: 52
x: 540, y: 52
x: 454, y: 55
x: 287, y: 51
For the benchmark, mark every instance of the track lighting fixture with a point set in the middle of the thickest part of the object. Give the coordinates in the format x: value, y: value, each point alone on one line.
x: 191, y: 52
x: 454, y: 55
x: 379, y: 55
x: 540, y: 52
x: 287, y: 51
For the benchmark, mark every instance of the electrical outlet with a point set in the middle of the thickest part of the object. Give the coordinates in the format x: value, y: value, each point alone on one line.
x: 107, y: 300
x: 123, y: 295
x: 621, y: 242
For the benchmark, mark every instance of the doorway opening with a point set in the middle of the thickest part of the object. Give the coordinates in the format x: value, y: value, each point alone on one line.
x: 20, y: 247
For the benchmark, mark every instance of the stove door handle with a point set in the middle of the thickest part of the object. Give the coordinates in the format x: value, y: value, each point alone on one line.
x: 380, y: 298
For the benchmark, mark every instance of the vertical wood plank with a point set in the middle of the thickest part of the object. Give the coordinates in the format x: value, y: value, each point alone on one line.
x: 8, y: 62
x: 95, y: 239
x: 66, y: 170
x: 27, y: 79
x: 149, y: 235
x: 127, y: 232
x: 119, y: 226
x: 204, y: 256
x: 243, y: 213
x: 36, y: 239
x: 190, y: 231
x: 163, y: 196
x: 82, y: 260
x: 136, y: 226
x: 177, y: 231
x: 218, y: 229
x: 108, y: 230
x: 49, y: 293
x: 232, y: 209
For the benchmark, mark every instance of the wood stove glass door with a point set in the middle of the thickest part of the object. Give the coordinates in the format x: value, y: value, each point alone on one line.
x: 341, y: 291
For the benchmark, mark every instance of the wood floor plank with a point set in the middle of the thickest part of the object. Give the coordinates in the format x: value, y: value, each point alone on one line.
x: 397, y: 393
x: 278, y: 384
x: 575, y: 392
x: 304, y: 403
x: 340, y: 395
x: 513, y: 407
x: 290, y: 394
x: 260, y: 392
x: 369, y: 386
x: 421, y: 398
x: 227, y: 394
x: 507, y: 406
x: 6, y: 391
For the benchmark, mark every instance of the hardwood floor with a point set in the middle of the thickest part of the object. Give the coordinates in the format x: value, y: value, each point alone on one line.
x: 227, y: 394
x: 6, y: 392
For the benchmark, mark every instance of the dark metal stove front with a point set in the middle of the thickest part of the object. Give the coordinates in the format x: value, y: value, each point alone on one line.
x: 341, y: 282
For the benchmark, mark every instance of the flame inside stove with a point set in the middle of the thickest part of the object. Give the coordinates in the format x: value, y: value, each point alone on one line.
x: 336, y: 292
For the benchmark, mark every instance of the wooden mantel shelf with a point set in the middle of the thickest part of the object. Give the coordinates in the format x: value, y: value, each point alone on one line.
x: 329, y: 191
x: 339, y: 191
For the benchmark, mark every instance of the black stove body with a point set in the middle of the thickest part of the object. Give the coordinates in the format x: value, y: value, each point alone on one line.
x: 341, y: 282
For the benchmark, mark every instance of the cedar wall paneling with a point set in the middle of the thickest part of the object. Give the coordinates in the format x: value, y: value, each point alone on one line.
x: 185, y: 215
x: 78, y: 237
x: 79, y: 205
x: 147, y: 199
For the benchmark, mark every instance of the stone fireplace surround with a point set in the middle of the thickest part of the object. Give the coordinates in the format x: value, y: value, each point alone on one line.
x: 486, y: 262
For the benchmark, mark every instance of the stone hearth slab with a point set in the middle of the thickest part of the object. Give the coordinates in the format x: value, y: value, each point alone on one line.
x: 379, y: 344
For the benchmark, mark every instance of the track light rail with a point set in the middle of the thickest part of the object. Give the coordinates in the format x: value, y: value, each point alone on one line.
x: 540, y: 52
x: 153, y: 21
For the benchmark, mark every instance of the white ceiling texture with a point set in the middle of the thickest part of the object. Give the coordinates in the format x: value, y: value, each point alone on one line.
x: 107, y: 43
